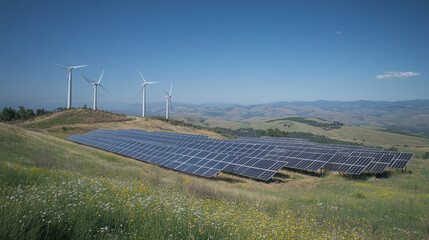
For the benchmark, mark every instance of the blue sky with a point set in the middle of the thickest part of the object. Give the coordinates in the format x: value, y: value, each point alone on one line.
x: 244, y: 52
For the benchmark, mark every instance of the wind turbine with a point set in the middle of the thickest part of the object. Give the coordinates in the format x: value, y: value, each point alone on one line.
x: 70, y: 69
x: 168, y: 101
x: 95, y: 85
x: 144, y: 93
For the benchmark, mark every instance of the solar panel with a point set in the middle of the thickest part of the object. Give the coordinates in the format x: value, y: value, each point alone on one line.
x: 402, y: 160
x: 258, y: 158
x: 184, y: 161
x: 348, y: 164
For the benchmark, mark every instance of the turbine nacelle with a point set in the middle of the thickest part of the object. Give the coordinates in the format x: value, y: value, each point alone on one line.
x: 71, y: 67
x: 168, y: 94
x: 95, y: 84
x: 147, y: 83
x: 144, y: 80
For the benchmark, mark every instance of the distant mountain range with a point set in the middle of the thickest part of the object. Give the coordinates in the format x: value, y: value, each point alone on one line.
x: 411, y: 117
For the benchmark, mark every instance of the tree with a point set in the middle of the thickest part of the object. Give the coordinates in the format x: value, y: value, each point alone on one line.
x: 8, y: 114
x: 29, y: 113
x: 21, y: 113
x: 275, y: 133
x: 40, y: 112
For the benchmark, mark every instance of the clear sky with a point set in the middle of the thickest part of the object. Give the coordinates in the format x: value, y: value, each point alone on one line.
x: 244, y: 52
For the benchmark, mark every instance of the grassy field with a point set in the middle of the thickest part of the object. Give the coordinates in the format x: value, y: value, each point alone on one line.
x: 52, y: 188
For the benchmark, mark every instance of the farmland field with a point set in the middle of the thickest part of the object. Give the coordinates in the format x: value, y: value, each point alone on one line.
x: 52, y: 188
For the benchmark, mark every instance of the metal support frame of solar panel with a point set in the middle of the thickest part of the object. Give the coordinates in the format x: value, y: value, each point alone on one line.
x: 200, y: 163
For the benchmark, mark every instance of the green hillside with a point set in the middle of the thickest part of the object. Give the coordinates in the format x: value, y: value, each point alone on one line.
x: 74, y: 116
x: 78, y: 121
x: 55, y: 189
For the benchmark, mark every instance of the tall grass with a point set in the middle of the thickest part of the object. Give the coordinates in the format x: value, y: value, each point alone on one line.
x: 52, y: 189
x: 47, y: 204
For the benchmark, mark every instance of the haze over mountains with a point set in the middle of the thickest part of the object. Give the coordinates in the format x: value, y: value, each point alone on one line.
x: 411, y: 116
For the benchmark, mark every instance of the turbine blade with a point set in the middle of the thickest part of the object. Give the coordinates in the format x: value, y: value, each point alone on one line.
x: 165, y: 92
x: 100, y: 77
x: 79, y: 66
x: 171, y: 87
x: 171, y: 106
x: 62, y: 66
x: 144, y: 80
x: 151, y: 82
x: 103, y: 88
x: 88, y: 80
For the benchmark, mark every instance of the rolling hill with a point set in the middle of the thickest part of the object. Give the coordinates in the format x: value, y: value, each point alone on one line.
x: 53, y: 188
x: 411, y: 117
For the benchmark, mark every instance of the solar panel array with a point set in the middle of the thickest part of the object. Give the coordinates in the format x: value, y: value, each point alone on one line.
x: 258, y: 158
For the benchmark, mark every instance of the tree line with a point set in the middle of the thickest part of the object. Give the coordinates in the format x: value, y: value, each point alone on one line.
x: 323, y: 125
x: 10, y: 114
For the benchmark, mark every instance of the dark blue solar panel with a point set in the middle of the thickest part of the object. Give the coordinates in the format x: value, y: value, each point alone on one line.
x: 253, y: 157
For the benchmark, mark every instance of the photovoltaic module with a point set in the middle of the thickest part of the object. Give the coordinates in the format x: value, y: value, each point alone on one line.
x: 258, y: 158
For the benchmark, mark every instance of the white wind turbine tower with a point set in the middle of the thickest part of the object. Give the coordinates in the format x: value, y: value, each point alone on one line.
x: 168, y: 101
x: 95, y: 85
x: 144, y: 93
x: 70, y: 69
